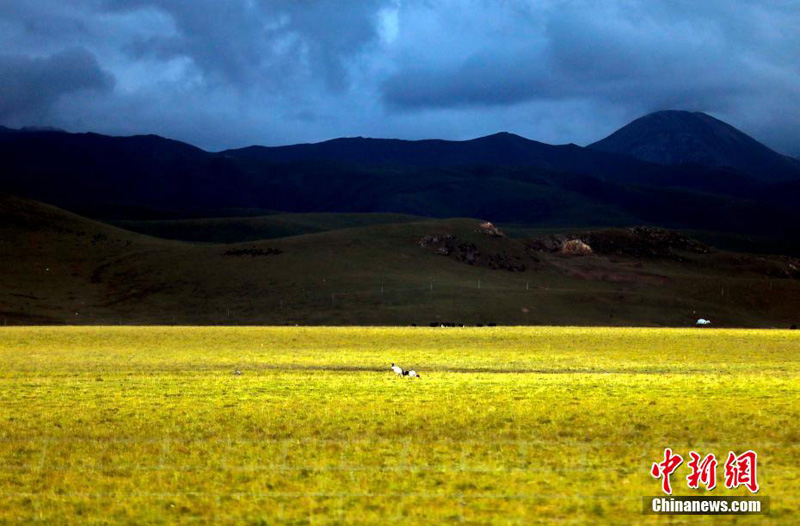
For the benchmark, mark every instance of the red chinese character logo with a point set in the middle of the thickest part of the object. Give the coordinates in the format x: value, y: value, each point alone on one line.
x: 664, y: 469
x: 741, y: 471
x: 703, y: 471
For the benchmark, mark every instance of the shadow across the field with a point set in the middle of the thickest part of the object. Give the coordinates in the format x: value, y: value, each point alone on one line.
x: 483, y: 370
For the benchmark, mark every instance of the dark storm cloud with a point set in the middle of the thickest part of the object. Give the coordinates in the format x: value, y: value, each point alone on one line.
x: 593, y: 51
x: 29, y: 86
x: 266, y: 43
x: 227, y: 73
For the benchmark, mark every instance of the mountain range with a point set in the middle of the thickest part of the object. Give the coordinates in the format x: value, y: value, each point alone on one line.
x: 673, y: 169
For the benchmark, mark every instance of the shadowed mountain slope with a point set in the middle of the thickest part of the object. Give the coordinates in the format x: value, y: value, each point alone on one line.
x: 681, y: 137
x: 502, y: 177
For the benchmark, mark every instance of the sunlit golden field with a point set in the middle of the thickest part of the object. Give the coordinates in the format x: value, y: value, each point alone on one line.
x: 507, y: 425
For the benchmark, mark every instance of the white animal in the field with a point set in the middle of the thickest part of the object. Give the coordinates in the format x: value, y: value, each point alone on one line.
x: 703, y: 321
x: 397, y: 370
x: 413, y: 374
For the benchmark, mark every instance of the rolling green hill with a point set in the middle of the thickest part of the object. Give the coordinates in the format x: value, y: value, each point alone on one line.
x: 240, y: 229
x: 62, y: 268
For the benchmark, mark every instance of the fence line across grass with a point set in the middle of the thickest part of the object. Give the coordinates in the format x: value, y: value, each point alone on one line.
x: 346, y: 441
x: 322, y: 297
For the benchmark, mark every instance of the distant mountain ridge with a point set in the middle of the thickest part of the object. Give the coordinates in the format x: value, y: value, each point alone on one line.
x: 500, y: 149
x: 501, y: 177
x: 681, y: 137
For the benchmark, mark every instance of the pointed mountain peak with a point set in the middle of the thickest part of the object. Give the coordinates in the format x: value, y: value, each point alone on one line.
x: 503, y: 136
x: 674, y: 137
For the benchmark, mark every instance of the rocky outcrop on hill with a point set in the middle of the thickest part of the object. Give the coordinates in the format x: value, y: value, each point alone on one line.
x: 252, y: 252
x: 576, y: 247
x: 490, y: 230
x: 638, y: 242
x: 644, y: 241
x: 469, y: 253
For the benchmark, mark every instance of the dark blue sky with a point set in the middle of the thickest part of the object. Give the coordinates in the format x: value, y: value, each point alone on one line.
x: 235, y: 72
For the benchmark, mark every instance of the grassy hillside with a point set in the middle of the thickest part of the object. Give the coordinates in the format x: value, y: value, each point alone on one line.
x: 50, y: 258
x: 149, y: 425
x: 240, y: 229
x: 62, y: 268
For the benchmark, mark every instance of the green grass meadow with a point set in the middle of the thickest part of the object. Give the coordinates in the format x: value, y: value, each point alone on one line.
x: 149, y: 425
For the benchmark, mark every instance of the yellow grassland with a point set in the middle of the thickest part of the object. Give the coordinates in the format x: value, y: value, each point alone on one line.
x: 150, y: 425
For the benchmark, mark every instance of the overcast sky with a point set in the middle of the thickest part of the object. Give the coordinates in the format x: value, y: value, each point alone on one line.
x: 229, y: 73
